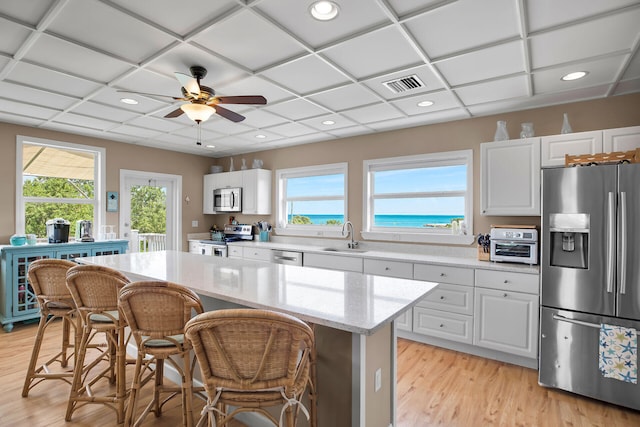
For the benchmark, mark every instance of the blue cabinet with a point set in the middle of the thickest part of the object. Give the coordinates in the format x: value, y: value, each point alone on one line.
x: 17, y: 300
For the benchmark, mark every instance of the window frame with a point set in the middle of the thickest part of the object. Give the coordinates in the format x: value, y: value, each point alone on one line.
x: 99, y: 177
x: 416, y: 235
x: 285, y: 229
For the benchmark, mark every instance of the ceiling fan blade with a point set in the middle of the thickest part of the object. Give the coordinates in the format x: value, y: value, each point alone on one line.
x: 151, y: 94
x: 189, y: 83
x: 228, y: 114
x: 245, y: 99
x: 175, y: 113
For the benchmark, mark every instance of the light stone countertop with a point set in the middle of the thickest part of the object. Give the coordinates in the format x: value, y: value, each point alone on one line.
x: 449, y: 260
x: 353, y: 302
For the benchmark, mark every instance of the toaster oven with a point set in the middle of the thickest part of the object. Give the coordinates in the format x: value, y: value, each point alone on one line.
x: 514, y: 245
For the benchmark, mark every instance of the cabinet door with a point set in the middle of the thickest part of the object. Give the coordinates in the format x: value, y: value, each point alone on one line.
x: 441, y: 324
x: 234, y: 251
x: 510, y: 177
x: 260, y: 254
x: 400, y: 269
x: 256, y: 192
x: 333, y: 262
x: 506, y: 321
x: 71, y: 254
x: 555, y: 147
x: 404, y: 322
x: 210, y: 182
x: 621, y: 139
x: 24, y: 299
x: 451, y: 298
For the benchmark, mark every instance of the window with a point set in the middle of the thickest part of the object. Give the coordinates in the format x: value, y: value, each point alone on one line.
x: 312, y: 201
x: 424, y: 198
x: 57, y: 180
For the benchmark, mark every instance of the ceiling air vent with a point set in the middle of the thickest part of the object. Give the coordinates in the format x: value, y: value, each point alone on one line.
x: 404, y: 84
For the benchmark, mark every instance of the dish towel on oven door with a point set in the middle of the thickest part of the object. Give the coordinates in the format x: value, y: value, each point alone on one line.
x: 618, y: 353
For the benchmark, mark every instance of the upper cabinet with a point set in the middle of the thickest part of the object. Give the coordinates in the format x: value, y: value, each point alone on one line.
x: 555, y: 147
x: 510, y: 177
x: 256, y: 190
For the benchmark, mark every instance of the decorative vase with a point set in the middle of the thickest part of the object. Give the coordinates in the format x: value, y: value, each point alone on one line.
x: 231, y: 168
x: 244, y: 164
x: 527, y: 130
x: 566, y: 127
x: 501, y: 131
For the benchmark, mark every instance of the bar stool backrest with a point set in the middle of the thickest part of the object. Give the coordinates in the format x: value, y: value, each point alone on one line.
x: 48, y: 280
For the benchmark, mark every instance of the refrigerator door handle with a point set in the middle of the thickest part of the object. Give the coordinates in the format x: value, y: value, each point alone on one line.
x: 577, y: 322
x: 623, y: 242
x: 611, y: 241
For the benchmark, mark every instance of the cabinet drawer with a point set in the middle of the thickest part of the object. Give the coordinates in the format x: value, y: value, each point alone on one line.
x: 451, y: 298
x: 334, y: 262
x: 260, y: 254
x: 234, y: 251
x: 451, y: 326
x: 399, y: 269
x: 508, y: 281
x: 404, y: 322
x: 443, y: 274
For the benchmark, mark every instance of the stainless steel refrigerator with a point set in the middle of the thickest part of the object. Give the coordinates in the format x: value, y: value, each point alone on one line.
x: 590, y: 275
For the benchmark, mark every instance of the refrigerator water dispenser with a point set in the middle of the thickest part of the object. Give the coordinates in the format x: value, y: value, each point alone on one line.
x: 569, y: 240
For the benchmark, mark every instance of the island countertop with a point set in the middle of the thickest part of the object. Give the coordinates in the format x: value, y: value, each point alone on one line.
x: 353, y: 302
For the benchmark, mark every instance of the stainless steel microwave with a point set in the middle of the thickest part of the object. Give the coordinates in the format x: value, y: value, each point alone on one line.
x: 227, y: 199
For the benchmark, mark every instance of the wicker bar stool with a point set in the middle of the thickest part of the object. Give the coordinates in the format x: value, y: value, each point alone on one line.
x: 95, y: 292
x: 48, y: 281
x: 251, y: 360
x: 156, y: 312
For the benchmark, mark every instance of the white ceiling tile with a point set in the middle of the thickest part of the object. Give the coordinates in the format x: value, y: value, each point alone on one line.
x: 351, y: 131
x: 75, y: 60
x: 224, y: 126
x: 85, y: 121
x: 99, y: 110
x: 628, y: 87
x: 136, y: 131
x: 404, y: 122
x: 162, y: 125
x: 375, y: 53
x: 93, y: 22
x: 146, y: 81
x: 290, y: 130
x: 20, y: 120
x: 22, y: 109
x: 261, y: 118
x: 14, y: 36
x: 549, y: 13
x: 35, y: 96
x: 463, y: 25
x: 39, y: 77
x: 603, y: 71
x: 633, y: 70
x: 30, y: 12
x: 146, y: 104
x: 345, y: 97
x: 373, y: 113
x: 483, y: 64
x: 339, y: 121
x: 512, y: 87
x: 296, y: 109
x: 261, y: 136
x: 255, y: 86
x: 442, y: 100
x: 585, y: 40
x: 405, y: 7
x: 424, y: 73
x: 306, y: 75
x: 355, y: 16
x: 249, y: 40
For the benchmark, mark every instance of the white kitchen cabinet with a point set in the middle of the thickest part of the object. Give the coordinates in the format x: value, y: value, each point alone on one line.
x: 555, y: 147
x: 194, y: 247
x: 400, y: 269
x: 256, y: 192
x: 443, y: 324
x: 510, y: 177
x: 259, y: 254
x: 333, y: 262
x: 256, y: 189
x: 234, y: 251
x: 621, y: 139
x: 506, y: 319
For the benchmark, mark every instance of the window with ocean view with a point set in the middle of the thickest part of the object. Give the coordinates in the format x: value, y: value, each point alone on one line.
x: 312, y: 198
x: 411, y: 197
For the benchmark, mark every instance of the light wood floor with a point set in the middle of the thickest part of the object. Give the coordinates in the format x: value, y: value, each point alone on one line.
x: 436, y: 387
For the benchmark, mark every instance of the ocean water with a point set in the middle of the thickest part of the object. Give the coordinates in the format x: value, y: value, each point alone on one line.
x: 391, y: 220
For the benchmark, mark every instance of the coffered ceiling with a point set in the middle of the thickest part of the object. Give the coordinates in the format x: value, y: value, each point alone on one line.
x: 62, y: 62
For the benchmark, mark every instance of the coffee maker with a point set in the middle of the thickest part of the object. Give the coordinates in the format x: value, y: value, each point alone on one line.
x: 84, y: 231
x: 58, y: 230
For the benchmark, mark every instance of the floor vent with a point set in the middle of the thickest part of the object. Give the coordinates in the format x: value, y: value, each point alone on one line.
x: 404, y: 84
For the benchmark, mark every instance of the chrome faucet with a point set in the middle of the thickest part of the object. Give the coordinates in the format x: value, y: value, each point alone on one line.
x: 349, y: 226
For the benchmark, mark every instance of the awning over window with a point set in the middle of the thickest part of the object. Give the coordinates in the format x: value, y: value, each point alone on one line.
x: 39, y: 160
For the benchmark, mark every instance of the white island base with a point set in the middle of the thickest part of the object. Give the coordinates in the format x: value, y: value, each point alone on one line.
x: 352, y: 314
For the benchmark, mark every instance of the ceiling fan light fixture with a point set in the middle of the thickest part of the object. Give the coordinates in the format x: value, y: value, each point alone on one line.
x: 324, y: 10
x: 198, y: 112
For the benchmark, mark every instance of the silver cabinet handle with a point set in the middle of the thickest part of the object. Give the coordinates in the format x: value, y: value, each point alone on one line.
x: 610, y: 241
x: 623, y: 242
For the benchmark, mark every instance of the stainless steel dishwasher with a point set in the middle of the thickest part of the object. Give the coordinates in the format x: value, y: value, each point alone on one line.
x: 286, y: 257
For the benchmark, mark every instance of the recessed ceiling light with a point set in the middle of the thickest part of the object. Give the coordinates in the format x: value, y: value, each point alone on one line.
x: 128, y: 101
x: 328, y: 122
x: 425, y: 103
x: 210, y: 146
x: 324, y: 10
x: 574, y: 76
x: 261, y: 136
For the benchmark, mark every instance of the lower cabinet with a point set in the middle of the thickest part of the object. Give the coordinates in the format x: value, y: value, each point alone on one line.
x: 259, y: 254
x: 17, y: 299
x: 333, y: 262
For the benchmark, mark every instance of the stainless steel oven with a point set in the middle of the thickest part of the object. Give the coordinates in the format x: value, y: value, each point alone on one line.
x: 514, y: 245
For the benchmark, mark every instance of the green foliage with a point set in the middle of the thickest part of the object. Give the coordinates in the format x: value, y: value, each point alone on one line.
x: 37, y: 214
x: 299, y: 219
x: 334, y: 222
x: 148, y: 209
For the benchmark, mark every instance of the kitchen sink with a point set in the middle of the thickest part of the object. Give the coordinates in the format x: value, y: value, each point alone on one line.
x: 343, y: 250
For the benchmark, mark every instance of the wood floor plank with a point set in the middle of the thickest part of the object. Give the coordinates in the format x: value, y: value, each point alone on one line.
x: 436, y: 387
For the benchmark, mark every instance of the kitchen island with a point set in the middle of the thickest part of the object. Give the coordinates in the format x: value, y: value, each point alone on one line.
x: 353, y: 314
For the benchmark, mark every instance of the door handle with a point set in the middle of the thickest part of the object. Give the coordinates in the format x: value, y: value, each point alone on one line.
x: 610, y: 241
x: 623, y: 242
x: 574, y: 321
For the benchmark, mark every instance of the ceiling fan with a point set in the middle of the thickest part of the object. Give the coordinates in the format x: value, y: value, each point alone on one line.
x: 202, y: 100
